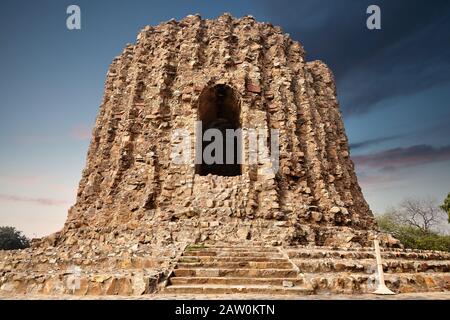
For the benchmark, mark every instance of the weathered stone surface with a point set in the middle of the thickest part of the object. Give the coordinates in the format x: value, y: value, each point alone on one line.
x: 305, y: 270
x: 131, y: 185
x: 136, y: 207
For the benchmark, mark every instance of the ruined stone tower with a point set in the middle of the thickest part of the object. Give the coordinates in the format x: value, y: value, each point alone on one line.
x: 146, y: 223
x: 249, y: 75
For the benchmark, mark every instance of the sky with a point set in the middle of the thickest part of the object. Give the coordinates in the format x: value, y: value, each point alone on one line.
x: 393, y: 86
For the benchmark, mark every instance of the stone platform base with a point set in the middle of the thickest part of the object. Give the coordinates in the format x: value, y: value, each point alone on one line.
x: 220, y: 269
x: 304, y: 270
x: 90, y: 269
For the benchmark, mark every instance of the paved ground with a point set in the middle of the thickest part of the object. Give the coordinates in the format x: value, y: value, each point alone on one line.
x: 404, y: 296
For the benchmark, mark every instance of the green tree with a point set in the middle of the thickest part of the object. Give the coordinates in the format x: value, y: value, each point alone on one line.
x: 12, y: 239
x: 413, y: 237
x: 446, y: 206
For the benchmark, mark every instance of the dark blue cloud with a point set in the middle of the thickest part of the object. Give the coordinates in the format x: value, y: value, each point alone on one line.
x: 410, y: 54
x: 372, y: 142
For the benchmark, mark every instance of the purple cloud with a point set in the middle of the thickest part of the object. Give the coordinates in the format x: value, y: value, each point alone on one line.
x: 40, y: 201
x: 403, y: 157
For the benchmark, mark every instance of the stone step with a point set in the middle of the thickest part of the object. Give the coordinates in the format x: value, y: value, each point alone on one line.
x: 331, y: 283
x: 102, y: 283
x: 235, y: 289
x: 228, y: 259
x: 240, y: 264
x: 213, y: 253
x: 235, y: 281
x: 418, y: 282
x: 105, y: 264
x: 369, y: 265
x: 365, y: 249
x: 227, y: 248
x: 329, y: 255
x: 247, y: 273
x: 346, y: 283
x: 321, y: 254
x: 265, y: 270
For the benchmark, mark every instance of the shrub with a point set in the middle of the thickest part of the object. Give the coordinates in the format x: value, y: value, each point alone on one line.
x: 413, y: 237
x: 12, y: 239
x: 446, y: 206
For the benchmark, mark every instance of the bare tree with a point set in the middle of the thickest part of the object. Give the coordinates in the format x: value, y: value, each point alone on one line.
x: 424, y: 214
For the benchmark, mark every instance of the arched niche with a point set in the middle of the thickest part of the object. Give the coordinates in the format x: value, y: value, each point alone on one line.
x: 219, y: 108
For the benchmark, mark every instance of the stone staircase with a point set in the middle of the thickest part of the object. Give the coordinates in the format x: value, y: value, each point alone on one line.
x: 247, y: 268
x: 308, y: 270
x: 234, y: 269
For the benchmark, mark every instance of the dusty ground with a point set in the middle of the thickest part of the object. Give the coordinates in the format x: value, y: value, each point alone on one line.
x: 404, y: 296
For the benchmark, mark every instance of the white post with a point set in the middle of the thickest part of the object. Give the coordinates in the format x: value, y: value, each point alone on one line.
x: 382, y: 289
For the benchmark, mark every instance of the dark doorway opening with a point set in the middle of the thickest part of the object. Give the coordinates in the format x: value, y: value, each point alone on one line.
x: 219, y: 108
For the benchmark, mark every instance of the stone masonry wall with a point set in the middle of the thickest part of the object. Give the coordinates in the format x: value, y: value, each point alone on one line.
x: 131, y: 185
